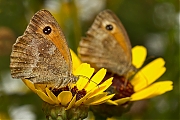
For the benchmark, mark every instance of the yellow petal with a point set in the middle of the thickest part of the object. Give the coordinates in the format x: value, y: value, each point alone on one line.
x: 65, y: 97
x: 142, y: 94
x: 44, y: 97
x: 84, y: 71
x: 75, y: 60
x: 41, y: 86
x: 97, y: 90
x: 110, y: 102
x: 95, y: 98
x: 96, y: 79
x: 80, y: 101
x: 81, y: 83
x: 148, y: 74
x: 102, y: 100
x: 138, y: 56
x: 139, y: 82
x: 71, y: 103
x: 162, y: 87
x: 122, y: 100
x: 100, y: 88
x: 29, y: 84
x: 52, y: 96
x: 153, y: 90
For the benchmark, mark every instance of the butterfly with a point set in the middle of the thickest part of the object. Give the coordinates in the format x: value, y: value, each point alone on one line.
x: 41, y: 54
x: 107, y: 45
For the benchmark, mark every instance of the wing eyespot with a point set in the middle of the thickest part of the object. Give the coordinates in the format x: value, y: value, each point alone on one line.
x: 109, y: 27
x: 47, y: 30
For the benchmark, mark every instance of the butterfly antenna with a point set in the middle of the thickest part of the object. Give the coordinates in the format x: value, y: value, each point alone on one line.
x: 86, y: 78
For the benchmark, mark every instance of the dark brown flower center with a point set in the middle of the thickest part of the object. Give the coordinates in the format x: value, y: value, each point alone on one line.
x: 79, y: 93
x: 56, y: 91
x: 120, y: 86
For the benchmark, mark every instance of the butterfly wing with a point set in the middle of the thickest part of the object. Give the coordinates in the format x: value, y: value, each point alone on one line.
x: 106, y: 44
x: 40, y: 55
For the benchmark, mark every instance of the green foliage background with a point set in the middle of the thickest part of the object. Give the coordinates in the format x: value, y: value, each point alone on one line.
x: 152, y: 23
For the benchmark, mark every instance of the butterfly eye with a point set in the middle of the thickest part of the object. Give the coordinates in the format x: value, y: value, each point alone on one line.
x: 109, y: 27
x: 47, y: 30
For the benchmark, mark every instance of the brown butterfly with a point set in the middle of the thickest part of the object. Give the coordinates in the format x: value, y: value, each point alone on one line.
x: 41, y: 54
x: 107, y: 45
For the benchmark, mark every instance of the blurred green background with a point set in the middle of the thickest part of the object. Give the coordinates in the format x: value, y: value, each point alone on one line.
x: 152, y: 23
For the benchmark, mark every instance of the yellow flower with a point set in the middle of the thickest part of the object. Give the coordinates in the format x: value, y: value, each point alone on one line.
x: 85, y: 91
x: 142, y: 83
x: 75, y: 59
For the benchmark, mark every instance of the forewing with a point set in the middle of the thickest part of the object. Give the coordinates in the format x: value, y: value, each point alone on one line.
x: 42, y: 19
x: 39, y: 57
x: 35, y: 58
x: 104, y: 48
